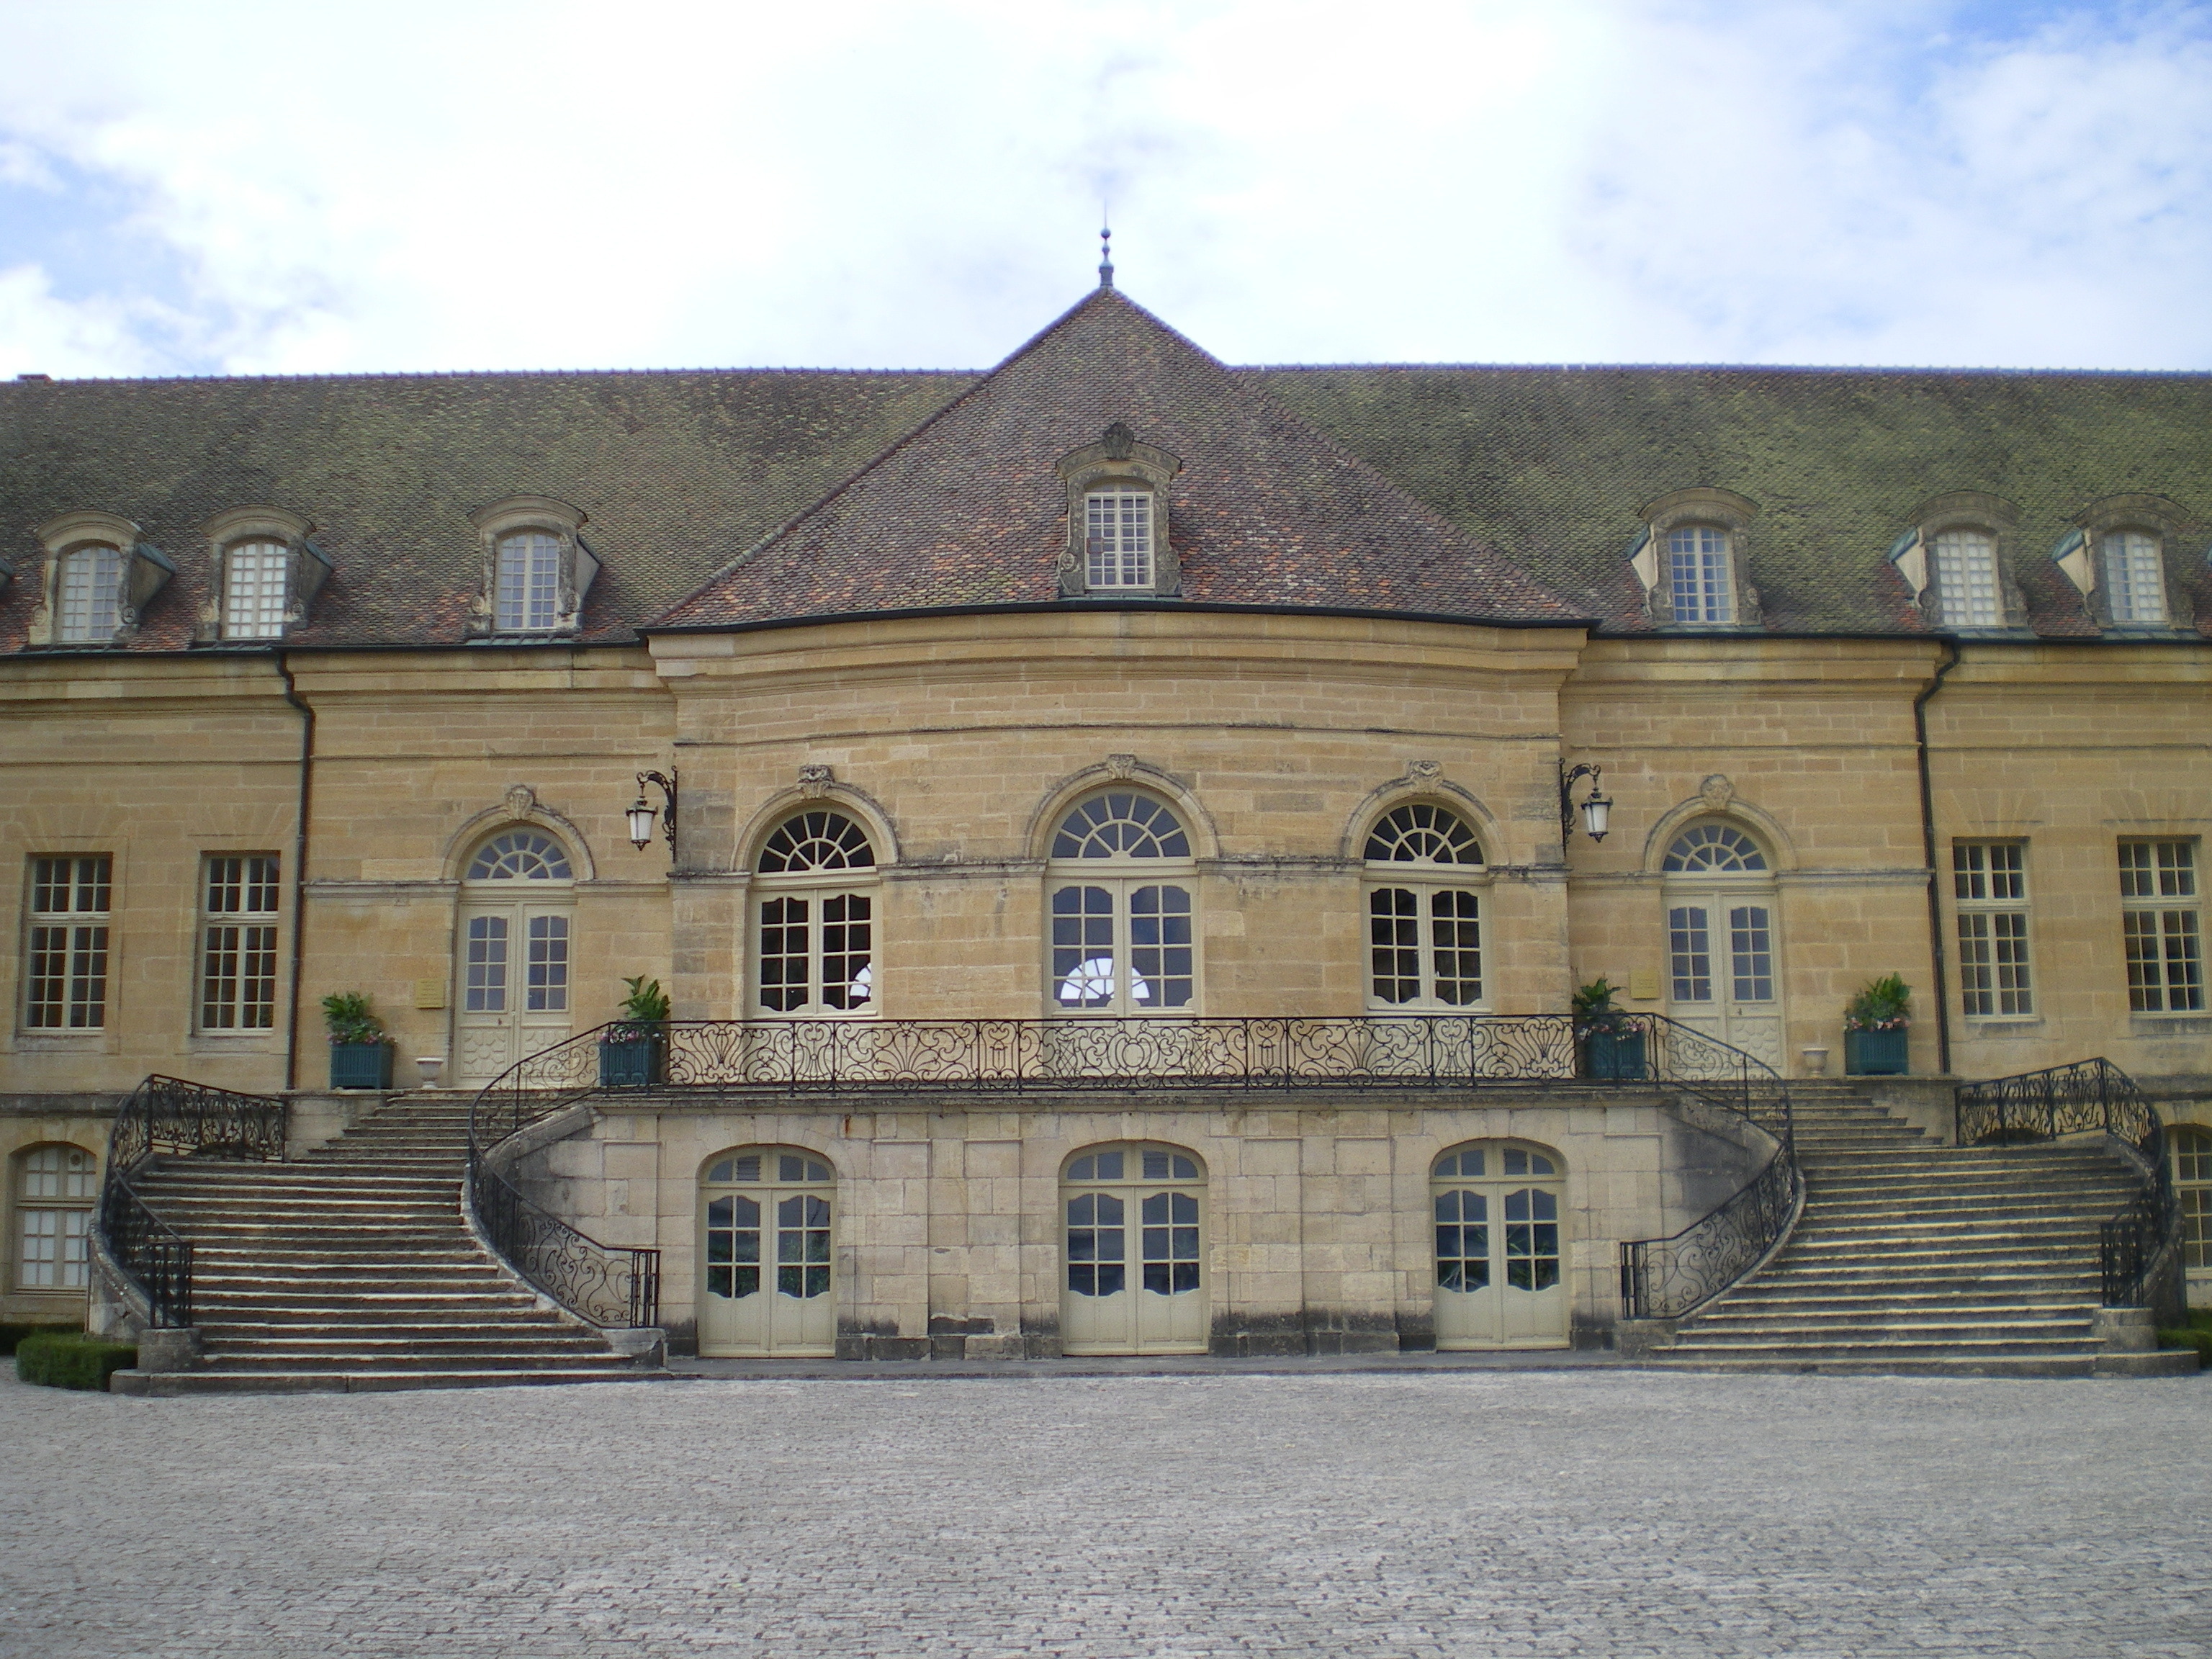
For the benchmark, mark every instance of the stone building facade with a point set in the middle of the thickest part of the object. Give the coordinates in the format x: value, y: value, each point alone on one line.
x: 345, y: 684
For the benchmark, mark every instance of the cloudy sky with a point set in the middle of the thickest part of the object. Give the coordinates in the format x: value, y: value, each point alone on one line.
x: 274, y: 188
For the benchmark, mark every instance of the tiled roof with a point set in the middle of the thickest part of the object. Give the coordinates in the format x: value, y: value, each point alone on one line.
x: 1554, y: 463
x: 677, y: 472
x: 734, y: 497
x: 970, y: 508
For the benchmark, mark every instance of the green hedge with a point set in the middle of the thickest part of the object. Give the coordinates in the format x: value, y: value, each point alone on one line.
x: 66, y: 1359
x: 2197, y: 1334
x: 11, y: 1335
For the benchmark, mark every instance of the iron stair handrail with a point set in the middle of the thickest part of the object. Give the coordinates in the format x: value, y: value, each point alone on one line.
x: 1674, y: 1276
x: 2139, y: 1249
x: 195, y: 1120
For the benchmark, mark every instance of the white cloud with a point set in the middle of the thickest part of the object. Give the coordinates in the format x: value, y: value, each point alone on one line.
x: 497, y: 185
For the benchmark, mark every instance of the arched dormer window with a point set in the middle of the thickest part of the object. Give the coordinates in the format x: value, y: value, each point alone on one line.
x: 537, y: 568
x: 100, y: 577
x: 1425, y: 881
x: 1690, y: 559
x: 2116, y: 555
x: 1953, y: 560
x: 1117, y: 518
x: 1120, y: 877
x: 267, y: 574
x: 815, y: 904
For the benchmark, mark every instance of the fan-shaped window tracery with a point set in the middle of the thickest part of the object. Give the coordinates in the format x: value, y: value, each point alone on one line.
x: 815, y: 840
x: 521, y: 855
x: 1714, y: 849
x: 1421, y: 833
x: 1121, y: 823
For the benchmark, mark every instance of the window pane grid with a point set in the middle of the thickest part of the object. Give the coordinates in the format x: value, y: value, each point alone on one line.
x: 1966, y: 579
x: 1689, y: 954
x: 1987, y: 877
x: 1751, y: 953
x: 1393, y: 930
x: 1698, y: 576
x: 1118, y: 539
x: 91, y: 584
x: 65, y: 984
x: 2134, y: 582
x: 545, y: 988
x: 2166, y: 972
x: 486, y: 989
x: 529, y: 582
x: 804, y: 965
x: 253, y: 590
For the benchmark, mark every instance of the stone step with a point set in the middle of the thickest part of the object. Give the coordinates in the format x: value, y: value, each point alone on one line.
x: 496, y: 1351
x: 171, y: 1384
x: 1914, y: 1256
x: 235, y: 1313
x: 1751, y: 1346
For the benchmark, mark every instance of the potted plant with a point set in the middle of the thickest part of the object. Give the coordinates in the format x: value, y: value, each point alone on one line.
x: 1608, y: 1043
x: 634, y: 1049
x: 1874, y: 1024
x: 361, y: 1053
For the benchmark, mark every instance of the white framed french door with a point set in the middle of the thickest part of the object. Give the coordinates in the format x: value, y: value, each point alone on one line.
x: 511, y: 978
x: 1725, y: 964
x: 1135, y: 1279
x: 1500, y: 1265
x: 767, y: 1270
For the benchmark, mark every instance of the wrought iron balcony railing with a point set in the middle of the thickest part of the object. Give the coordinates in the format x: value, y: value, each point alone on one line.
x: 1447, y: 1053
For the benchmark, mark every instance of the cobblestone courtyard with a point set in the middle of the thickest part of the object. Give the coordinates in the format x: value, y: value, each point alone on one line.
x: 1538, y: 1513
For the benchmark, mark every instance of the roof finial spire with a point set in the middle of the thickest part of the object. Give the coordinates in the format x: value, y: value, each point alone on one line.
x: 1105, y: 250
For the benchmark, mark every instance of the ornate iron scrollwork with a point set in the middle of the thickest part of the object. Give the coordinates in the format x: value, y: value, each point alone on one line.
x: 1450, y: 1052
x: 2139, y: 1249
x: 168, y: 1115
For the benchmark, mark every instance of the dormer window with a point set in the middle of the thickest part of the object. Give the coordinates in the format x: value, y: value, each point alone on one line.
x: 1117, y: 518
x: 537, y: 568
x: 1689, y: 559
x: 99, y: 577
x: 1966, y: 579
x: 1700, y: 584
x: 91, y: 591
x: 1118, y: 539
x: 2116, y: 555
x: 1953, y: 560
x: 2134, y: 577
x: 267, y: 574
x: 529, y: 595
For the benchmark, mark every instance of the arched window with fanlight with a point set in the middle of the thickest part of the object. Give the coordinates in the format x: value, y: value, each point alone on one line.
x: 1119, y: 910
x: 814, y: 909
x: 1426, y: 884
x: 513, y: 949
x: 1723, y: 950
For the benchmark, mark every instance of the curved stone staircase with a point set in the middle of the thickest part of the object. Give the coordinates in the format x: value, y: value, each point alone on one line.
x: 351, y: 1269
x: 1915, y: 1256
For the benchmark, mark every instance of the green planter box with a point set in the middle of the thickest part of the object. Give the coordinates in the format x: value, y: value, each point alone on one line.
x: 361, y: 1065
x: 1874, y: 1054
x: 1613, y: 1059
x: 632, y: 1065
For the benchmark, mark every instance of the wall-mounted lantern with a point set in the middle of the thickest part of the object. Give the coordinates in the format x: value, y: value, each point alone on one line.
x: 641, y: 815
x: 1596, y: 807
